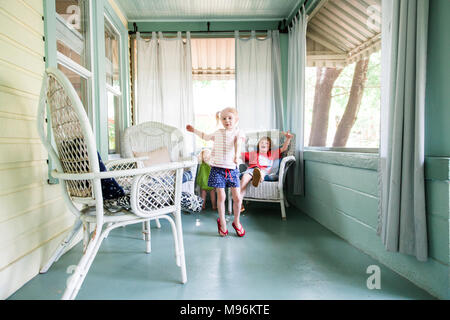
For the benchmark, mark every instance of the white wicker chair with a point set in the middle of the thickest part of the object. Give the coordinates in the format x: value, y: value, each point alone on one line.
x: 155, y: 191
x: 269, y: 191
x: 149, y: 136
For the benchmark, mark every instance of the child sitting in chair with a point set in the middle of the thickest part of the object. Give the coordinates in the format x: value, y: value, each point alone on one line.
x: 202, y: 178
x: 261, y: 162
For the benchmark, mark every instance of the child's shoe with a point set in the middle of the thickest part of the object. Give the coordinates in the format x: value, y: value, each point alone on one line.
x: 240, y: 232
x: 221, y: 233
x: 256, y: 177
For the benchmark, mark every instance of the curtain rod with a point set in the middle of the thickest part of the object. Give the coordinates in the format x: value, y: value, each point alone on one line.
x: 200, y: 31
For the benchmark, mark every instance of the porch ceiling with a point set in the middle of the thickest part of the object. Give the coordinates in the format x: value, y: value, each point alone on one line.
x: 201, y: 10
x: 341, y: 32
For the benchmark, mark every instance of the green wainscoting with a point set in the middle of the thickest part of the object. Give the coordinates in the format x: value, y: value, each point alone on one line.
x: 341, y: 193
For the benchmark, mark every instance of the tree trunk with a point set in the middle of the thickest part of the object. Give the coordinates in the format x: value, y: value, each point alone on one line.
x: 354, y: 102
x: 322, y: 101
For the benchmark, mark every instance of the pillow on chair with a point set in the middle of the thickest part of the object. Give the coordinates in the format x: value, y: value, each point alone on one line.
x: 110, y: 188
x: 157, y: 156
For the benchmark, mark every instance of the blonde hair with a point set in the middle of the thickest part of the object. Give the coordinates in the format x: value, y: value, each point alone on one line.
x: 228, y: 109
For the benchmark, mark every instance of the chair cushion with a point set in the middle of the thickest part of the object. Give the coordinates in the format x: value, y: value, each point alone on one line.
x: 274, y: 171
x: 110, y: 188
x: 187, y: 176
x: 157, y: 156
x: 190, y: 203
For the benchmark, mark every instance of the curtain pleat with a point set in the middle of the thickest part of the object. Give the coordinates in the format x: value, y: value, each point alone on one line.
x: 164, y: 82
x: 258, y: 82
x: 296, y: 96
x: 401, y: 214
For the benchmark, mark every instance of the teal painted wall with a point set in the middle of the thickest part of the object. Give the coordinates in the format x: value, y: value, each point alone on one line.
x: 438, y: 80
x: 343, y: 195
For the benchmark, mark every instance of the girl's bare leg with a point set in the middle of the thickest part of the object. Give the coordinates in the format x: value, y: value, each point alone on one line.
x: 246, y: 178
x: 212, y: 195
x: 221, y: 207
x: 203, y: 196
x: 237, y: 201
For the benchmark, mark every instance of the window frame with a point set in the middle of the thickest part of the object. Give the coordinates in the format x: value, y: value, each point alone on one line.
x: 124, y: 120
x: 80, y: 70
x: 343, y: 149
x: 355, y: 150
x: 117, y: 93
x: 98, y: 10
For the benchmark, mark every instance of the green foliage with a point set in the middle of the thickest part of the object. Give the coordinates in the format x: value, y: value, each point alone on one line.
x: 365, y: 131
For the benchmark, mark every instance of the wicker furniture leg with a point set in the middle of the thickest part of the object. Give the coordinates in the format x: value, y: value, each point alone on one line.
x: 62, y: 246
x: 175, y: 239
x: 283, y: 210
x: 75, y: 281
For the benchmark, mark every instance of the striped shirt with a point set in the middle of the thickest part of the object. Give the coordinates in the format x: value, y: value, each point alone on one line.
x: 223, y: 152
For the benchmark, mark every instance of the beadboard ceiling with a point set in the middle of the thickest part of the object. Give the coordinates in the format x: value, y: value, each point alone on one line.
x: 207, y: 10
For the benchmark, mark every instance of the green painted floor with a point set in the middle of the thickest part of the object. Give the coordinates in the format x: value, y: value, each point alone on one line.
x: 293, y: 259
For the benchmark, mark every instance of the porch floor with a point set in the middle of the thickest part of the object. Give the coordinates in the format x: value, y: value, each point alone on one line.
x: 293, y: 259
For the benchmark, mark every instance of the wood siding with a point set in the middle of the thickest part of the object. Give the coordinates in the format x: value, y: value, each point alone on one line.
x: 33, y: 217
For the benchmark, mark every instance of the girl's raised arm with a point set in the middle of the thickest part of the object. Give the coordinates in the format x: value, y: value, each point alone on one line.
x: 199, y: 133
x: 285, y: 146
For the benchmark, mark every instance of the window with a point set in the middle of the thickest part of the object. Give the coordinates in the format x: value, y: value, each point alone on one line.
x: 211, y: 96
x: 76, y: 32
x: 343, y: 74
x: 113, y: 87
x: 213, y: 72
x: 73, y: 47
x: 364, y: 131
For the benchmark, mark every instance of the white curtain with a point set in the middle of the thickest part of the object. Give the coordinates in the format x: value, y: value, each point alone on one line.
x: 296, y: 95
x: 164, y: 82
x: 402, y: 217
x: 258, y: 82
